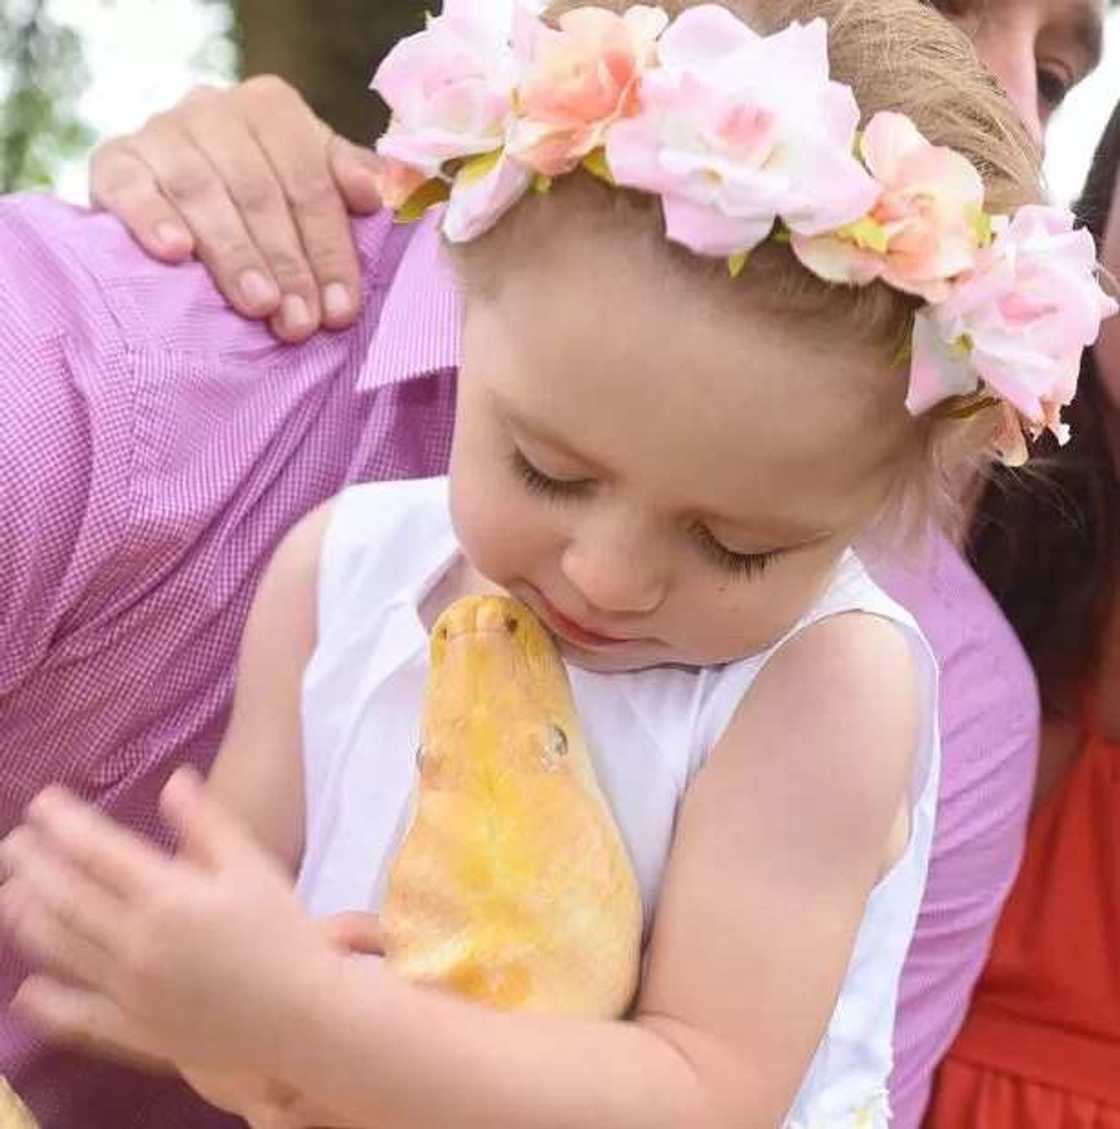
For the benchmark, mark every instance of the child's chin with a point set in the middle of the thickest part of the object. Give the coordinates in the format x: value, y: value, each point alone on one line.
x: 615, y: 660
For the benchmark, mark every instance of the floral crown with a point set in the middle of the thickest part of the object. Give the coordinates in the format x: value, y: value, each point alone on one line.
x: 746, y: 137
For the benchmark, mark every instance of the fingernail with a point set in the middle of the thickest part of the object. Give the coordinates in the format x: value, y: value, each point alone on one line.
x: 336, y: 301
x: 295, y: 313
x: 257, y: 290
x: 171, y: 236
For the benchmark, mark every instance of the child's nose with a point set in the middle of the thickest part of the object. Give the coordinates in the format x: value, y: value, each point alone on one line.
x: 619, y: 576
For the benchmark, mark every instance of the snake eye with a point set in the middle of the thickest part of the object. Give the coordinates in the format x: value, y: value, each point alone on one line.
x: 555, y: 746
x: 420, y: 756
x: 558, y: 741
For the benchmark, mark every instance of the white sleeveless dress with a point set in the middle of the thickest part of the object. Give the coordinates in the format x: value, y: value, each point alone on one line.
x: 386, y: 546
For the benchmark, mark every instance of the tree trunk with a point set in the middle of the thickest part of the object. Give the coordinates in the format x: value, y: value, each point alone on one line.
x: 328, y: 50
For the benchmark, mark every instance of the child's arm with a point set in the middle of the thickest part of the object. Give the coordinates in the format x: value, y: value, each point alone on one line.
x: 780, y: 841
x: 258, y: 772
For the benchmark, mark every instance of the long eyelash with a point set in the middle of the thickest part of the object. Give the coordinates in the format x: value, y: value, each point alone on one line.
x: 542, y: 484
x: 741, y: 564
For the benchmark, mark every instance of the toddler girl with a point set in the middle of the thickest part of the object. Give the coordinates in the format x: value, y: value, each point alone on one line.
x: 739, y: 287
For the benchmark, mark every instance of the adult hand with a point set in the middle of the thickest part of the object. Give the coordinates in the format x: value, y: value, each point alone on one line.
x: 251, y: 182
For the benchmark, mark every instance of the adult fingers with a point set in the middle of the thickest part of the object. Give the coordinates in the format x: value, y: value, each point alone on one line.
x: 188, y: 151
x: 299, y: 148
x: 122, y: 183
x: 221, y: 128
x: 355, y: 172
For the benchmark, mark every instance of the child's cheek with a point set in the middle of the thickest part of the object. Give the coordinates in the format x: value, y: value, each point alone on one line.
x: 488, y: 525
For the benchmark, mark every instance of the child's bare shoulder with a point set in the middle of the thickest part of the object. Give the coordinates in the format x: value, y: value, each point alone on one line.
x: 840, y: 706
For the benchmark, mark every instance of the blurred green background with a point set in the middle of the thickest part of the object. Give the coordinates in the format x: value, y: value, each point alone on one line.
x: 327, y: 48
x: 75, y: 71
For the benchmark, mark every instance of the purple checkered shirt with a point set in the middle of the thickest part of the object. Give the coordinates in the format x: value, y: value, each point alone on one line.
x: 154, y: 448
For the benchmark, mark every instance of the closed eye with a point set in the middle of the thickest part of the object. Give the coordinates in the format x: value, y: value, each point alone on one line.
x: 545, y: 485
x: 740, y: 564
x: 567, y: 490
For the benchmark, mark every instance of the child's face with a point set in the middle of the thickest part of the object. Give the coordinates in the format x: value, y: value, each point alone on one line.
x: 627, y: 457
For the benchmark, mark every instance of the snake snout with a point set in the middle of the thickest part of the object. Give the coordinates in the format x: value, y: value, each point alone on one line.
x: 497, y: 614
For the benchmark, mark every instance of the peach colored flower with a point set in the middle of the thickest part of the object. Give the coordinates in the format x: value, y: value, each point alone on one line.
x: 926, y: 227
x: 1009, y: 441
x: 1017, y: 324
x: 580, y: 78
x: 396, y: 182
x: 736, y: 130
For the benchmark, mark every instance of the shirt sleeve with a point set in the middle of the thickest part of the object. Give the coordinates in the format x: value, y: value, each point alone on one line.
x: 63, y: 482
x: 990, y: 724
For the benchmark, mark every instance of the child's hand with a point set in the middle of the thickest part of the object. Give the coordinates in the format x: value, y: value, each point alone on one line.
x: 187, y: 959
x: 262, y: 1102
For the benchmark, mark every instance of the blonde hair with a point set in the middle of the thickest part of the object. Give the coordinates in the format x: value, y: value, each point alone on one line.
x: 896, y: 55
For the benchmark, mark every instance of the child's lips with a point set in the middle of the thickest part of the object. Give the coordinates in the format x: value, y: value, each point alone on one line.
x: 571, y: 629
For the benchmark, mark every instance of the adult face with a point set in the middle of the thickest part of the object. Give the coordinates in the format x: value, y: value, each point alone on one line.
x: 1037, y: 49
x: 1107, y: 350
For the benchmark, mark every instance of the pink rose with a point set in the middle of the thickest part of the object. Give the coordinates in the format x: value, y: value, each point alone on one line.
x: 735, y: 130
x: 450, y: 87
x: 926, y: 227
x: 579, y: 79
x: 483, y: 191
x: 1017, y: 324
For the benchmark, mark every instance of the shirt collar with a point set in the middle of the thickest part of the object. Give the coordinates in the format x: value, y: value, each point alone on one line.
x: 421, y: 315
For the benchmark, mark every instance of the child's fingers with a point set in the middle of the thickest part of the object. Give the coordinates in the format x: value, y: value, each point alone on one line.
x: 249, y: 1096
x: 355, y: 933
x: 105, y: 852
x: 50, y: 901
x: 46, y: 941
x: 88, y: 1021
x: 208, y: 833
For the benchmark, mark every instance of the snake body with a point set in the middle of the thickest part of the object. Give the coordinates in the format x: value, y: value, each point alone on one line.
x: 13, y: 1113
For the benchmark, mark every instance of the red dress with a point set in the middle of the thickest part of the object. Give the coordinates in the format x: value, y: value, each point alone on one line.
x: 1041, y: 1046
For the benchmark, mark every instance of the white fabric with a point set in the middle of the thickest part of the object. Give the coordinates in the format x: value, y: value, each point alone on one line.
x: 649, y: 731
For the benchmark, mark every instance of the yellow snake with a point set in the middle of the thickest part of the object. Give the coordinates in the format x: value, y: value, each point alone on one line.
x: 513, y: 885
x: 13, y: 1113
